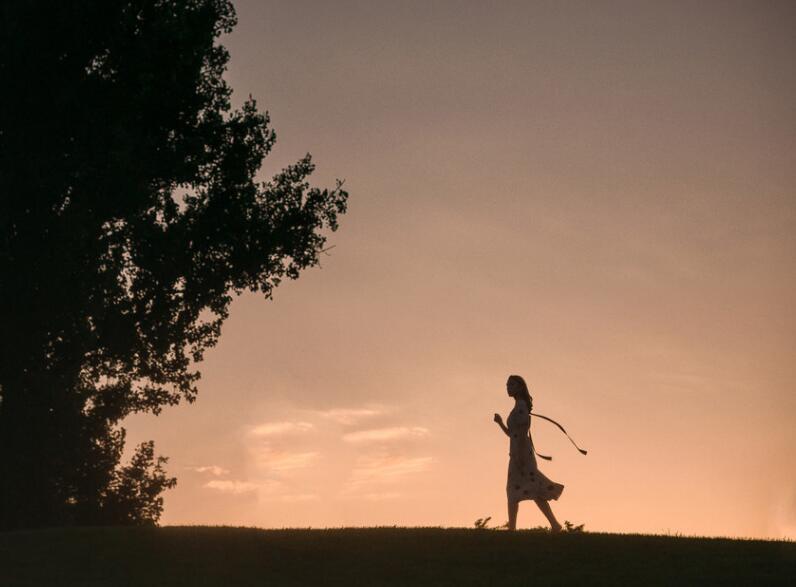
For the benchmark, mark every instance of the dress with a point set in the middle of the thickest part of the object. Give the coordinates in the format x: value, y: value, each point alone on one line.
x: 525, y: 481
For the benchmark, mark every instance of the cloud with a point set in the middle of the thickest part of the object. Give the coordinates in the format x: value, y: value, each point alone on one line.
x: 270, y: 490
x: 232, y: 487
x: 268, y: 446
x: 272, y: 459
x: 385, y: 434
x: 376, y: 470
x: 211, y: 469
x: 270, y: 429
x: 349, y: 416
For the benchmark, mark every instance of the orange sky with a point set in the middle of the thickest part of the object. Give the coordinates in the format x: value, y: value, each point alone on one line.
x: 599, y: 198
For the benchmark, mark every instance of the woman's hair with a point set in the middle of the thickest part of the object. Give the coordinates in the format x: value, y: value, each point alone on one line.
x: 522, y: 389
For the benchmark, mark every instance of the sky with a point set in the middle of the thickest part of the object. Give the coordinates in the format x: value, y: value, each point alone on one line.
x: 600, y: 197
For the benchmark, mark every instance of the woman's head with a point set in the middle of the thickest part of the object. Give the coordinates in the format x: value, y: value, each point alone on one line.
x: 518, y: 389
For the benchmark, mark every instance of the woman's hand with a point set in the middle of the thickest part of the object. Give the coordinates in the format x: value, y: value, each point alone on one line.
x: 500, y: 423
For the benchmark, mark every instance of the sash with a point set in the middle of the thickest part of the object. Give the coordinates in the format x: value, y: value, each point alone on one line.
x: 560, y: 427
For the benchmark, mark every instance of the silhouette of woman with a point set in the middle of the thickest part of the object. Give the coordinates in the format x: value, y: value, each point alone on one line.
x: 525, y: 481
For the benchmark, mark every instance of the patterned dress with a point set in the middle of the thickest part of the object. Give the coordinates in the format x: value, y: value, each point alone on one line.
x: 525, y: 480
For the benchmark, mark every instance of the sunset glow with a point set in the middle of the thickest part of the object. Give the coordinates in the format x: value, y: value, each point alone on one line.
x: 600, y: 198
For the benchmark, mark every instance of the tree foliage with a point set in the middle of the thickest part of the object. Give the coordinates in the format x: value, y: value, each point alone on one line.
x: 130, y: 214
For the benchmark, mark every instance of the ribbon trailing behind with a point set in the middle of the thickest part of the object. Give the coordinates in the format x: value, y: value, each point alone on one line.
x: 583, y: 452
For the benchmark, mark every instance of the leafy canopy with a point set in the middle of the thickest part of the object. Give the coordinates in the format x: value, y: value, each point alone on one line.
x: 130, y: 214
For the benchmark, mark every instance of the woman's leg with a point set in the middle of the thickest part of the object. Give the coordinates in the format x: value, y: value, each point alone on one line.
x: 548, y: 513
x: 513, y: 507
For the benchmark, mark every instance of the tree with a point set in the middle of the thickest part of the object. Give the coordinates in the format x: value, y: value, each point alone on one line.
x: 130, y: 215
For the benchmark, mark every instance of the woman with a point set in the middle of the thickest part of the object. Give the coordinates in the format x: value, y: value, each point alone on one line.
x: 525, y: 480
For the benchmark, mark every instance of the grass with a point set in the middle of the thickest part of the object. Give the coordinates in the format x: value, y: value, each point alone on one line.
x: 226, y: 556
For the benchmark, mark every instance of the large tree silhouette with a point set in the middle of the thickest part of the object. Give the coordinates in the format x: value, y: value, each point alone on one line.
x: 129, y: 217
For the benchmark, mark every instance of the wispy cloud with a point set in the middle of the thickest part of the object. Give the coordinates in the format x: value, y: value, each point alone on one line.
x: 272, y: 459
x: 271, y: 429
x: 264, y: 489
x: 349, y: 416
x: 270, y: 490
x: 376, y: 470
x: 232, y: 487
x: 386, y: 434
x: 211, y: 469
x: 271, y: 446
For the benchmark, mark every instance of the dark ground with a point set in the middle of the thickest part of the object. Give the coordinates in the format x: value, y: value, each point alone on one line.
x: 382, y: 556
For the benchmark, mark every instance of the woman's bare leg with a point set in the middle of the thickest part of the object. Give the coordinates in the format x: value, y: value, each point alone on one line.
x: 548, y: 513
x: 514, y: 506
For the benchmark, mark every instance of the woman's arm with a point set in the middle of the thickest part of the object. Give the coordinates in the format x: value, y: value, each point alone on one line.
x: 500, y: 423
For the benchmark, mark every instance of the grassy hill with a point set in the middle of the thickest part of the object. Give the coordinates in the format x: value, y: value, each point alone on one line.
x: 382, y: 556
